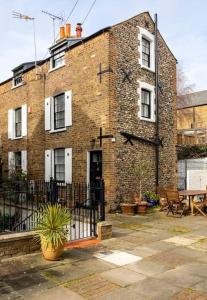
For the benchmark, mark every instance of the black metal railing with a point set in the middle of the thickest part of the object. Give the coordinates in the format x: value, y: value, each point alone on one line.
x: 20, y: 202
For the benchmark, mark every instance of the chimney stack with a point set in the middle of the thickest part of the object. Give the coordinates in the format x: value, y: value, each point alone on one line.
x: 62, y: 32
x: 79, y: 30
x: 67, y: 30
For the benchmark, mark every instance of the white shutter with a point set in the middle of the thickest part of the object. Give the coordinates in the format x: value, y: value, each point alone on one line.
x: 48, y: 113
x: 11, y: 124
x: 68, y: 165
x: 24, y: 161
x: 11, y: 162
x: 68, y: 108
x: 24, y: 120
x: 48, y: 164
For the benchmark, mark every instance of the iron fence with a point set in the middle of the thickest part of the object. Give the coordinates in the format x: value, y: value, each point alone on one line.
x: 20, y: 202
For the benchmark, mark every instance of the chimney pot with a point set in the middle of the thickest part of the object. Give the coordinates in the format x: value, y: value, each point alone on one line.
x: 62, y: 32
x: 67, y: 30
x: 79, y: 30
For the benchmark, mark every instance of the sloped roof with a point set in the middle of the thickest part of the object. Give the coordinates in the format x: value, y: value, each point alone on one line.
x: 192, y: 99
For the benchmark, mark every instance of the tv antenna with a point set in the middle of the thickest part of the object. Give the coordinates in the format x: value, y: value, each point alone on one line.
x: 54, y: 18
x: 18, y: 15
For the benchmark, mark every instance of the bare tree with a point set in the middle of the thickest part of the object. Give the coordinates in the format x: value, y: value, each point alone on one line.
x: 183, y: 85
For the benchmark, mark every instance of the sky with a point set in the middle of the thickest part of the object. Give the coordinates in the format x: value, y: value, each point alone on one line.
x: 181, y: 22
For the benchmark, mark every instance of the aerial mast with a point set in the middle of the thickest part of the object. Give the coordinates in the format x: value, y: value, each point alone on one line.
x: 54, y: 18
x: 18, y: 15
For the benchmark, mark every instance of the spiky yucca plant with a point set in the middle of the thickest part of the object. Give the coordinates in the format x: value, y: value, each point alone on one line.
x: 51, y: 225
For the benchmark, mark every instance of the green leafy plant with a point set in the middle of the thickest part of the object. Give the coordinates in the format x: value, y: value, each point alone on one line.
x: 151, y: 196
x: 51, y: 225
x: 17, y: 175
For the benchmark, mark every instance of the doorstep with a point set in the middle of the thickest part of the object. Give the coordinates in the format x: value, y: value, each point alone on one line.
x: 82, y: 243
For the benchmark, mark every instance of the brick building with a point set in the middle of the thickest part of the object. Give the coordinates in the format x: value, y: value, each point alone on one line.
x: 51, y: 116
x: 191, y: 118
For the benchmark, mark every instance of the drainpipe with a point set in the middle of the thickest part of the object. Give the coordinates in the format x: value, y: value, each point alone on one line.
x: 157, y: 100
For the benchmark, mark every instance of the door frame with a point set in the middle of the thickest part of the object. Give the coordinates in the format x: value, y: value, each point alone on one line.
x: 88, y: 164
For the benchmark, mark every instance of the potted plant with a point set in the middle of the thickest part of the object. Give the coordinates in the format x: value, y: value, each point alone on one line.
x: 141, y: 171
x: 128, y: 208
x: 52, y: 230
x: 151, y: 198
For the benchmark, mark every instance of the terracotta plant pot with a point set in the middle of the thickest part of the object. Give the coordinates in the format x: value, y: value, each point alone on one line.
x: 51, y: 253
x: 141, y: 207
x: 128, y: 208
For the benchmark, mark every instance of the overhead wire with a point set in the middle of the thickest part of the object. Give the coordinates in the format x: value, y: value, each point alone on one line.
x: 70, y: 14
x: 89, y: 11
x: 65, y: 21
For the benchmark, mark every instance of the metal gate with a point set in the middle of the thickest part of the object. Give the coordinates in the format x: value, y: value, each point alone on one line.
x: 21, y: 200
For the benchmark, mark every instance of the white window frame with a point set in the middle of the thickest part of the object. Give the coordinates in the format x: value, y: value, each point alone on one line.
x: 19, y: 84
x: 50, y: 164
x: 12, y: 163
x: 49, y: 113
x: 151, y: 89
x: 143, y: 33
x: 11, y: 122
x: 57, y: 53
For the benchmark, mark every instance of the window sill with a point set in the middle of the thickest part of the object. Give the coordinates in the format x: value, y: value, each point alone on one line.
x: 147, y: 120
x: 16, y: 138
x: 148, y: 69
x: 54, y: 69
x: 18, y: 85
x: 58, y: 130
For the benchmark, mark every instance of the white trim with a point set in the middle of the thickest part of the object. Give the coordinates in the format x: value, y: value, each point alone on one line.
x: 58, y: 130
x: 24, y: 161
x: 151, y: 38
x: 151, y: 89
x: 68, y: 165
x: 11, y: 120
x: 56, y: 68
x: 68, y: 108
x: 18, y: 85
x: 24, y: 113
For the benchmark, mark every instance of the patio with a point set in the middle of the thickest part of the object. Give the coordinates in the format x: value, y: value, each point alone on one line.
x: 149, y: 257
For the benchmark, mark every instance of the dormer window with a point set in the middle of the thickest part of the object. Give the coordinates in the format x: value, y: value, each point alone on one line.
x: 58, y: 58
x: 17, y: 80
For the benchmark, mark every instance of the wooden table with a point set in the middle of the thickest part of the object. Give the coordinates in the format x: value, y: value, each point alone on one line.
x: 190, y: 194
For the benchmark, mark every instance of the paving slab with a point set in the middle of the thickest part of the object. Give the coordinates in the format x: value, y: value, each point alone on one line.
x: 118, y: 258
x: 147, y: 289
x: 190, y: 294
x: 195, y: 268
x: 122, y: 276
x: 179, y: 277
x: 190, y: 252
x: 139, y: 240
x: 57, y: 293
x: 28, y: 283
x: 201, y: 286
x: 161, y: 246
x: 7, y: 292
x: 91, y: 287
x: 172, y: 261
x: 117, y: 243
x: 147, y: 268
x: 143, y: 251
x: 180, y: 241
x: 76, y: 270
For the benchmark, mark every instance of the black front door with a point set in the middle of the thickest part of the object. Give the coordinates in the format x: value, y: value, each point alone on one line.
x: 95, y: 166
